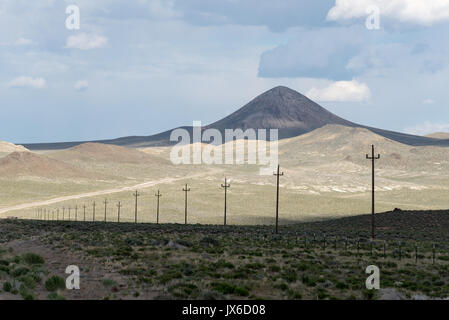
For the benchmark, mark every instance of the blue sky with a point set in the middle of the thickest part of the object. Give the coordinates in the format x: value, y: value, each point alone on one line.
x: 138, y: 67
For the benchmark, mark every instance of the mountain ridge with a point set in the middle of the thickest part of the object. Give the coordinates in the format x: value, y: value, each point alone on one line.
x: 280, y: 108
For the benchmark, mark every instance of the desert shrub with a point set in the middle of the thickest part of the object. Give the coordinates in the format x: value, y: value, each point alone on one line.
x: 295, y: 295
x: 20, y: 271
x: 109, y: 283
x: 55, y: 296
x: 290, y: 275
x: 282, y: 286
x: 226, y: 288
x: 368, y: 294
x: 169, y: 275
x: 183, y: 290
x: 321, y: 293
x: 28, y: 281
x: 26, y: 295
x: 254, y: 266
x: 55, y: 283
x: 32, y: 258
x: 7, y: 286
x: 308, y: 281
x: 124, y: 251
x: 341, y: 285
x: 274, y: 268
x: 209, y: 242
x: 4, y: 262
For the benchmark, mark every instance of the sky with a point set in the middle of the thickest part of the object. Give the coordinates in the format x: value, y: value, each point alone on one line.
x: 138, y: 67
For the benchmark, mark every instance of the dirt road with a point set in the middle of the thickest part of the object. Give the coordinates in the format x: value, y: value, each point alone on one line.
x: 96, y: 193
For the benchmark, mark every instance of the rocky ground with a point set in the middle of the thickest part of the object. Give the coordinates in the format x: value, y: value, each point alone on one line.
x: 316, y: 260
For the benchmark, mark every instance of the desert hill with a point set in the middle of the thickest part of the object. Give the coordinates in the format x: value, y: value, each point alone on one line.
x: 439, y: 135
x: 98, y: 152
x: 336, y: 143
x: 28, y: 164
x: 7, y: 147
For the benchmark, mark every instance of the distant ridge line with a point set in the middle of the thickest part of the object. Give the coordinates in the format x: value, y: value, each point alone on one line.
x: 281, y: 108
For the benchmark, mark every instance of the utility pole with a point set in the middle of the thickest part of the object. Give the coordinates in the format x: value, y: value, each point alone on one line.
x: 136, y: 194
x: 84, y: 212
x: 63, y: 212
x: 76, y: 212
x: 93, y: 211
x: 158, y: 195
x: 373, y: 159
x: 277, y: 174
x: 105, y: 208
x: 225, y: 186
x: 118, y: 215
x: 69, y: 212
x: 186, y: 190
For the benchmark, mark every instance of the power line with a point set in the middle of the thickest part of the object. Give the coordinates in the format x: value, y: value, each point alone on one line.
x: 186, y: 189
x: 225, y: 186
x: 373, y: 159
x: 278, y: 174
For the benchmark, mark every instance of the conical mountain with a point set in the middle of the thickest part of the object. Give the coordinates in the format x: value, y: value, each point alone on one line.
x: 280, y: 108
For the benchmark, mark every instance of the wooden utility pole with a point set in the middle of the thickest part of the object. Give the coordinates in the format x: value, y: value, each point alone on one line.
x: 136, y: 194
x: 186, y: 189
x: 277, y: 174
x: 118, y: 214
x: 373, y: 159
x: 84, y: 212
x: 158, y: 195
x: 105, y: 208
x: 225, y: 186
x: 93, y: 211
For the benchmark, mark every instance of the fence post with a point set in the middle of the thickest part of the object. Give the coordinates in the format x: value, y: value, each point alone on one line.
x: 433, y: 253
x: 416, y: 252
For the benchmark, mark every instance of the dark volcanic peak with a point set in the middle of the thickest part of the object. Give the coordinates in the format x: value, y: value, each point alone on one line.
x: 280, y: 108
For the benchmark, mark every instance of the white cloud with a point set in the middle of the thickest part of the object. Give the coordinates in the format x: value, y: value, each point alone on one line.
x: 22, y: 82
x: 23, y: 42
x: 85, y: 41
x: 81, y: 85
x: 344, y: 91
x: 427, y: 128
x: 423, y: 12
